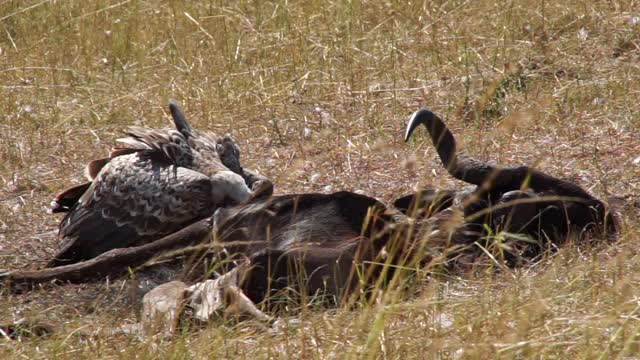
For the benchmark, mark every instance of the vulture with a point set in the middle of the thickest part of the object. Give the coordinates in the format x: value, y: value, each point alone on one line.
x: 157, y: 182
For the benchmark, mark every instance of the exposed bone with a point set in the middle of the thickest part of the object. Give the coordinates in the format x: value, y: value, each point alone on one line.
x: 211, y: 297
x: 162, y: 307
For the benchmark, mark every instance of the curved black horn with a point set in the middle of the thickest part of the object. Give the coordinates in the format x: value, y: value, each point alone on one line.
x: 465, y: 168
x: 458, y: 165
x: 178, y: 118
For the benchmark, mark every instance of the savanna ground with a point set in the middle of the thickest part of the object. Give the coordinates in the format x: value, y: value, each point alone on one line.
x: 317, y: 94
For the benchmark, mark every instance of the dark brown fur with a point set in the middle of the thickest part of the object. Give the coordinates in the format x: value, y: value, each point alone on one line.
x: 322, y: 236
x: 308, y: 241
x: 516, y: 199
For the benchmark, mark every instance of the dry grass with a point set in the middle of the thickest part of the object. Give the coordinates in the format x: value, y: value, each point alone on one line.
x: 325, y: 87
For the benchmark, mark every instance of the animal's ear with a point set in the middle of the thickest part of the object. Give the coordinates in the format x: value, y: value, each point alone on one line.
x: 516, y: 214
x: 425, y: 202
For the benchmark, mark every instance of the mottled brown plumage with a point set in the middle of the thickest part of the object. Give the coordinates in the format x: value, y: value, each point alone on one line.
x: 156, y: 183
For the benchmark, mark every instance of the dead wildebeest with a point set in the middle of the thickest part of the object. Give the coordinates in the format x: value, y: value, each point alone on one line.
x: 278, y: 248
x: 337, y: 243
x: 156, y: 183
x: 512, y: 200
x: 301, y: 244
x: 325, y: 234
x: 320, y: 229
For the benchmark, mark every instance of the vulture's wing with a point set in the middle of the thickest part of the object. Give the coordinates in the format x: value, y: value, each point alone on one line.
x: 67, y: 199
x: 155, y: 183
x: 160, y: 144
x: 133, y: 200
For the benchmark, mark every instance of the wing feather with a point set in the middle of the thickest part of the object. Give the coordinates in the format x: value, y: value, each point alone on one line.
x: 156, y: 182
x: 67, y: 199
x: 94, y: 167
x: 133, y: 201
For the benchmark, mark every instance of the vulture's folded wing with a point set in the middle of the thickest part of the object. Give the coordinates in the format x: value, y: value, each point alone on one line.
x: 131, y: 202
